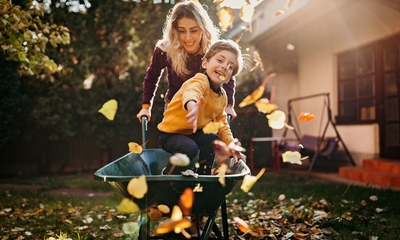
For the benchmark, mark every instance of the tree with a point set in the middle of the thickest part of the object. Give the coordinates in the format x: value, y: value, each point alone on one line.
x: 24, y: 37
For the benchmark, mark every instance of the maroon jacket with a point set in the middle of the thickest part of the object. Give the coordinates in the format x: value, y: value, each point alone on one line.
x: 154, y: 72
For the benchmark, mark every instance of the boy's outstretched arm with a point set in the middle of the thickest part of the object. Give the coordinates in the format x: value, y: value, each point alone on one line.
x: 193, y: 109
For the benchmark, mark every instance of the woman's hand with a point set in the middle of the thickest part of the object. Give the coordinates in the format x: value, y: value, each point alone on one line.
x: 230, y: 111
x: 144, y: 112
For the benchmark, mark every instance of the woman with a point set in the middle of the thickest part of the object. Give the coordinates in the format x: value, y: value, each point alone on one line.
x: 187, y: 34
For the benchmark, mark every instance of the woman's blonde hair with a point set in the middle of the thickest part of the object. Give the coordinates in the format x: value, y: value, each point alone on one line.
x: 170, y: 43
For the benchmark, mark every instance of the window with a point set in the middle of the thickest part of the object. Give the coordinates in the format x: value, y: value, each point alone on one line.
x: 356, y: 86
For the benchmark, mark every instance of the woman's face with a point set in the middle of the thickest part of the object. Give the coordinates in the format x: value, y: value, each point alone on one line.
x: 189, y: 34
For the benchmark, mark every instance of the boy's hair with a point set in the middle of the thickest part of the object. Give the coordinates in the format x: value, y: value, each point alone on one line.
x: 230, y: 46
x: 170, y: 43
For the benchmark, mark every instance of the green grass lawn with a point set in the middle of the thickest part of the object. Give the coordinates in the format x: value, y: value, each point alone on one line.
x: 278, y: 207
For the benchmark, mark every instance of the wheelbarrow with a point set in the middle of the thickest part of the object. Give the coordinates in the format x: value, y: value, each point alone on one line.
x: 167, y: 189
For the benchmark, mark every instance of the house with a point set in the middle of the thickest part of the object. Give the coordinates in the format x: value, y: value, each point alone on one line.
x: 349, y: 49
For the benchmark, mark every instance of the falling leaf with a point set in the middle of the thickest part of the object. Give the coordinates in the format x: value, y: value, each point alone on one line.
x: 258, y: 60
x: 163, y: 208
x: 277, y: 119
x: 179, y: 160
x: 128, y: 206
x: 226, y: 17
x: 109, y: 109
x: 249, y: 181
x: 131, y: 228
x: 137, y: 187
x: 212, y: 127
x: 218, y: 1
x: 246, y: 13
x: 170, y: 225
x: 278, y: 13
x: 292, y: 157
x: 221, y: 171
x: 306, y: 117
x: 186, y: 201
x: 257, y: 94
x: 265, y: 106
x: 288, y: 4
x: 154, y: 213
x: 198, y: 188
x: 135, y: 148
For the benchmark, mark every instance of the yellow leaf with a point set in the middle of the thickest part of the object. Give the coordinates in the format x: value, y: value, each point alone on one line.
x: 222, y: 170
x: 277, y: 119
x: 179, y: 159
x: 109, y: 109
x: 137, y: 187
x: 163, y: 208
x: 226, y: 17
x: 253, y: 97
x: 212, y: 127
x: 135, y: 148
x: 292, y: 157
x: 257, y: 94
x: 265, y: 106
x: 246, y: 13
x: 198, y: 188
x: 170, y: 225
x: 249, y: 181
x: 176, y: 214
x: 128, y: 206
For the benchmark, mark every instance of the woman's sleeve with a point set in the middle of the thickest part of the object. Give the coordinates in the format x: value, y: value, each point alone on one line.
x: 153, y: 75
x: 229, y: 88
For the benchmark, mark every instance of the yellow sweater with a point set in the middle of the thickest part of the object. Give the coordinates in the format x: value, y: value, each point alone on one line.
x: 213, y: 109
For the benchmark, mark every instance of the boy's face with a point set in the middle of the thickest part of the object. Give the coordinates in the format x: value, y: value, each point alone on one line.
x: 219, y: 67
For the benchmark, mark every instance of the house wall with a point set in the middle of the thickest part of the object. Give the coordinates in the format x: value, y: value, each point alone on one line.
x: 345, y: 28
x: 320, y: 31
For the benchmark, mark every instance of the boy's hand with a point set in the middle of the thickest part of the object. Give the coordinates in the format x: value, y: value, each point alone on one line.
x: 193, y: 110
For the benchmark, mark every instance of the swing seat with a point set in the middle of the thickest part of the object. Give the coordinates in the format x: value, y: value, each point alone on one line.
x: 307, y: 146
x: 310, y: 144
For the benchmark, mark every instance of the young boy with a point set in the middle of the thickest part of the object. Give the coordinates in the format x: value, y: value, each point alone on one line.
x: 199, y: 101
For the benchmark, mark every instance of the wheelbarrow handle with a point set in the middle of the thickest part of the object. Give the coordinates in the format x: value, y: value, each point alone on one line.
x: 229, y: 118
x: 144, y: 131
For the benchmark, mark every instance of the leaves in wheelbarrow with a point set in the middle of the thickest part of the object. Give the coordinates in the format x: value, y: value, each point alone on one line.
x: 109, y: 109
x: 137, y: 187
x: 128, y: 206
x: 249, y: 181
x: 135, y: 148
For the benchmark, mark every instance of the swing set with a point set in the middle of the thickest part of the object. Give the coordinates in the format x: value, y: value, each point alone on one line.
x: 309, y: 145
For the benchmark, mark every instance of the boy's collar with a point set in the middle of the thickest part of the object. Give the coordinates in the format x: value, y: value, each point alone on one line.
x: 218, y: 90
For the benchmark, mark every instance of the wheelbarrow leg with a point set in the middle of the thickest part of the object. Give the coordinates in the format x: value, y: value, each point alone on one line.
x: 224, y: 216
x: 207, y: 228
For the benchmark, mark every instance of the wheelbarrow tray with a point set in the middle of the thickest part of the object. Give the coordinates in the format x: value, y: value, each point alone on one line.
x: 167, y: 189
